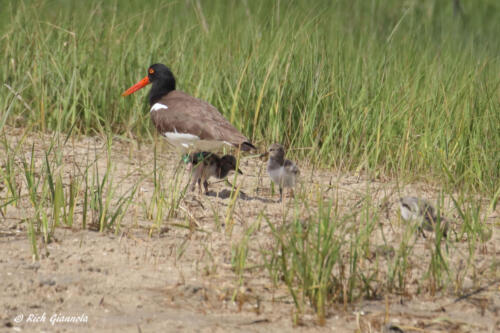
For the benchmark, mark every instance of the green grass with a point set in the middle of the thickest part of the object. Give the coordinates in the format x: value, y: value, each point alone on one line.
x: 403, y: 90
x: 326, y: 257
x: 387, y: 87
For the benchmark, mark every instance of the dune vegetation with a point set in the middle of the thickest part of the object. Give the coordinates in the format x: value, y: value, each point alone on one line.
x: 402, y: 92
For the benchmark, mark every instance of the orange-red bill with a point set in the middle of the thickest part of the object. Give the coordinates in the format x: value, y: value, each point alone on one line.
x: 139, y: 85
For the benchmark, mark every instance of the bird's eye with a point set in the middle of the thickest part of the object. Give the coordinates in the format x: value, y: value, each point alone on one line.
x: 151, y: 71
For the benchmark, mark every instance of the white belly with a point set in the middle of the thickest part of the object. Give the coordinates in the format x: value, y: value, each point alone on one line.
x: 407, y: 214
x: 280, y: 176
x: 185, y: 142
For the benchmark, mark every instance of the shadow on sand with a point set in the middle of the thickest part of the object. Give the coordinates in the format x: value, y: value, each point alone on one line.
x: 224, y: 194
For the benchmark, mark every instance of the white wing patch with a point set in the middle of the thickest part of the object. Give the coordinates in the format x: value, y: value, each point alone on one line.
x: 158, y: 106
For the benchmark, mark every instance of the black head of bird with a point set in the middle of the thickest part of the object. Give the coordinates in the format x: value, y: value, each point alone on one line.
x: 162, y: 79
x: 226, y: 164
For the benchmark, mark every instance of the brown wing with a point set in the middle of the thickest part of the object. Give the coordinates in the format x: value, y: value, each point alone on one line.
x: 187, y: 114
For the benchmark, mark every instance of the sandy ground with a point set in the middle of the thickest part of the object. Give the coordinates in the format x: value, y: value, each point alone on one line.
x: 178, y: 276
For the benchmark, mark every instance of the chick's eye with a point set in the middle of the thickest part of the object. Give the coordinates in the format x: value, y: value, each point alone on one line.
x: 151, y: 71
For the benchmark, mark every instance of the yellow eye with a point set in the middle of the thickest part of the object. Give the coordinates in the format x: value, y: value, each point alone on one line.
x: 151, y: 71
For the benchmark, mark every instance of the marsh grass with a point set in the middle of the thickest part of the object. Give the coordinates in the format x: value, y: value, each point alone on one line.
x: 58, y: 189
x: 239, y: 256
x: 400, y: 89
x: 9, y: 172
x: 328, y: 257
x: 168, y: 193
x: 398, y: 267
x: 305, y: 254
x: 384, y: 87
x: 106, y: 205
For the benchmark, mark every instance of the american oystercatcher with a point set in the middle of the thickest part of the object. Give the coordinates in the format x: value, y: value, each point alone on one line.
x: 188, y: 123
x: 421, y: 211
x: 282, y: 172
x: 205, y: 165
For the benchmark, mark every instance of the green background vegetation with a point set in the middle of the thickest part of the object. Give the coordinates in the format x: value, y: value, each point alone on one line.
x: 406, y: 90
x: 388, y: 87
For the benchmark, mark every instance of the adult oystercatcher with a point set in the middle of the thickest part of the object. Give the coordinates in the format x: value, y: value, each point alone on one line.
x: 205, y: 165
x: 188, y: 123
x: 282, y: 172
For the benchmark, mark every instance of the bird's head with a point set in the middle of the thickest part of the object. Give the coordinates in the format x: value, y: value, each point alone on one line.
x: 162, y: 79
x: 276, y: 151
x: 228, y: 163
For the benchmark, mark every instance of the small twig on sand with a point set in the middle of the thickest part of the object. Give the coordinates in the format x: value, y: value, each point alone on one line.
x: 190, y: 215
x: 477, y: 291
x: 472, y: 293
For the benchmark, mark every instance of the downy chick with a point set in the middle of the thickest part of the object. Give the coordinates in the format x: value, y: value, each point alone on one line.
x: 205, y: 165
x: 420, y: 210
x: 282, y: 172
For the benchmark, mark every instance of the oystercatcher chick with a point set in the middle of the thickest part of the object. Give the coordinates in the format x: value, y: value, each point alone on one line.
x: 205, y: 165
x: 283, y: 172
x: 421, y: 211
